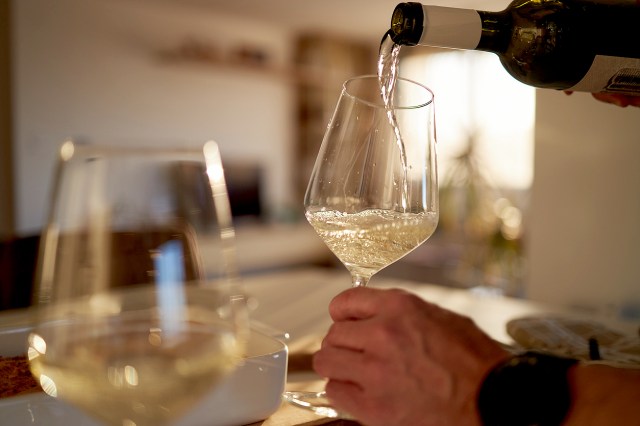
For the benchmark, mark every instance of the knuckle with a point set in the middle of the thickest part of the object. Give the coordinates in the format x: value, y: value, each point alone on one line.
x: 385, y: 335
x: 401, y: 300
x: 333, y: 336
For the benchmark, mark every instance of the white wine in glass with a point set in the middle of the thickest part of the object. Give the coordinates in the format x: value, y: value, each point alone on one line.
x: 373, y: 192
x: 133, y: 325
x: 367, y: 241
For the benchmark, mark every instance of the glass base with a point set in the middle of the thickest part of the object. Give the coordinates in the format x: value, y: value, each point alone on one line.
x: 314, y: 401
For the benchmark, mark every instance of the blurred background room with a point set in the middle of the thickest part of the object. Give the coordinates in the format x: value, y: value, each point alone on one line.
x: 539, y: 191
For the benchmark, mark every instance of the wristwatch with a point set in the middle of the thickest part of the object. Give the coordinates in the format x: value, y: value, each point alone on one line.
x: 530, y: 389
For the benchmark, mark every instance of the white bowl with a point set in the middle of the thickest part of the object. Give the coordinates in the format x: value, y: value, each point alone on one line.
x: 250, y: 394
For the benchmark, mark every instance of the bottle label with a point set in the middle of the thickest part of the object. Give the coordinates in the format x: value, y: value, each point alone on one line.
x: 612, y: 75
x: 451, y: 27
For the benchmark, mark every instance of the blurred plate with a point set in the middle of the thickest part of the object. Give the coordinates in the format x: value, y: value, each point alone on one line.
x: 576, y: 338
x: 250, y: 394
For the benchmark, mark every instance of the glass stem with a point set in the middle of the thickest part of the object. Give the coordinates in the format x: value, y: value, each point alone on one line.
x: 359, y: 280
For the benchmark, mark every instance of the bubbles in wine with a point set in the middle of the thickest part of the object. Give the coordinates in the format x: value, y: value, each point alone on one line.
x: 370, y: 240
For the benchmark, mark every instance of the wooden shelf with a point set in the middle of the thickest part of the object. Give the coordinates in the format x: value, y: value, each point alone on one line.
x: 243, y: 59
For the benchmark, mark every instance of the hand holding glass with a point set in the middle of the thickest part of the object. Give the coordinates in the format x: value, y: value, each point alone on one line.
x: 373, y: 192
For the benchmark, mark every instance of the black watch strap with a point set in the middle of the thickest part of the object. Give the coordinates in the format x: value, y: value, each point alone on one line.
x: 530, y: 389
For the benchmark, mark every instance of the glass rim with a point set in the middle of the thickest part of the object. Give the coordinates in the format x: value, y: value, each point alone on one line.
x: 71, y: 149
x: 429, y: 101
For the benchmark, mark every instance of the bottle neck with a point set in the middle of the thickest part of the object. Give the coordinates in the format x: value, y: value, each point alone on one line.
x: 495, y: 33
x: 417, y: 24
x: 606, y: 28
x: 407, y: 24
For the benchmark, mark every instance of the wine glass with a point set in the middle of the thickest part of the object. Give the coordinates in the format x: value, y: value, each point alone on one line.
x: 133, y: 325
x: 373, y: 192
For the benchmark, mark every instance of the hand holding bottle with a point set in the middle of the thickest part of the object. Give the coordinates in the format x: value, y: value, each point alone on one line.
x: 615, y: 99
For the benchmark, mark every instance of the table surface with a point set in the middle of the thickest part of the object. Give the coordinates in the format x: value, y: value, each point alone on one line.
x: 293, y: 304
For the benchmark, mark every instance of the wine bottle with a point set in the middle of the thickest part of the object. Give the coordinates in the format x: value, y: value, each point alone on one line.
x: 581, y: 45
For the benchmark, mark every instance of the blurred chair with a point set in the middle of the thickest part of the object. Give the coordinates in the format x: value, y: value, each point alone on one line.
x: 18, y: 257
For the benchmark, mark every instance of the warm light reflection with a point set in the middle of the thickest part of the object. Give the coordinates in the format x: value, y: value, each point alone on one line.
x: 114, y: 377
x: 510, y: 218
x: 120, y: 377
x: 131, y: 375
x: 48, y: 385
x: 104, y: 304
x: 37, y: 344
x: 215, y: 172
x: 67, y: 150
x: 155, y: 337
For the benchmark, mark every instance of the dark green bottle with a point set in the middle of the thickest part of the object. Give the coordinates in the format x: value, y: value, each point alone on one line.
x: 582, y: 45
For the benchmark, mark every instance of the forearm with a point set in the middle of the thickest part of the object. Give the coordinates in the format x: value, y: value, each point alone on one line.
x: 604, y: 395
